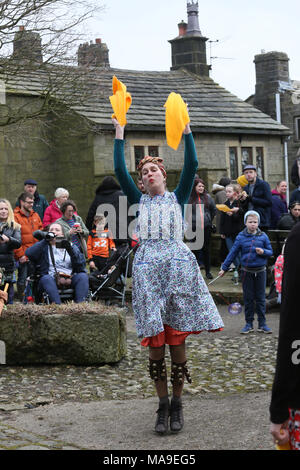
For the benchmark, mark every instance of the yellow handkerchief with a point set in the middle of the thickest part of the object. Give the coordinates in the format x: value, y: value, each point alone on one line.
x: 242, y: 181
x: 120, y: 101
x: 222, y: 207
x: 177, y: 117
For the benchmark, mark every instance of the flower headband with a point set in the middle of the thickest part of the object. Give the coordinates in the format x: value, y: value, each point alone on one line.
x: 156, y: 160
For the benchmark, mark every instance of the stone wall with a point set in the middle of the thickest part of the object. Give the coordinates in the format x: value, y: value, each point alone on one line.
x: 25, y: 152
x: 78, y: 334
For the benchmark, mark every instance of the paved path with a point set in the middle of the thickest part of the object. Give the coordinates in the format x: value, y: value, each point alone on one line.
x: 226, y: 406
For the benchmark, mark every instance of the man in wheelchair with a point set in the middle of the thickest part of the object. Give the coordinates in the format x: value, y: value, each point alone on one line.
x: 59, y: 265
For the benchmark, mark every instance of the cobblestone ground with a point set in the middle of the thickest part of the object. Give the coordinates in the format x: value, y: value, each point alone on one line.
x: 219, y: 363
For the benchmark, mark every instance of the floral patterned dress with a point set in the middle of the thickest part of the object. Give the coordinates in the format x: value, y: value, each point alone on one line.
x: 168, y: 287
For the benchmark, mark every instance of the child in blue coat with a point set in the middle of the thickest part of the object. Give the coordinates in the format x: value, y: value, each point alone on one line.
x: 254, y: 248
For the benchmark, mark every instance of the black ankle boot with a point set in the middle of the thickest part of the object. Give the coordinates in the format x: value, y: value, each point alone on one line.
x: 176, y: 415
x: 161, y: 425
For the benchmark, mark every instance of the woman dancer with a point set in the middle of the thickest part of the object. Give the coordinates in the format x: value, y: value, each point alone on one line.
x: 170, y: 297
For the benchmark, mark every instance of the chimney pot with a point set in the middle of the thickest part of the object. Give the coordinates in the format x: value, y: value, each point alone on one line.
x: 182, y: 28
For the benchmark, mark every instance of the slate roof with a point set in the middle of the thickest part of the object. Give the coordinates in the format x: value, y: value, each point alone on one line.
x: 211, y: 107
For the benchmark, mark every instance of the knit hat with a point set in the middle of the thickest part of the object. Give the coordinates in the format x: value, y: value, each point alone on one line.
x: 251, y: 213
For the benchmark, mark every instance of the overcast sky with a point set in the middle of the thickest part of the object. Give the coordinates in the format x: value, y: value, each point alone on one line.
x: 137, y: 33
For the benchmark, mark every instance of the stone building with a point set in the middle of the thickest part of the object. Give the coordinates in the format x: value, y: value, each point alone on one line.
x: 228, y: 132
x: 278, y: 96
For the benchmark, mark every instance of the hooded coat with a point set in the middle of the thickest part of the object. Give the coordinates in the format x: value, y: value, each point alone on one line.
x: 245, y: 244
x: 109, y: 192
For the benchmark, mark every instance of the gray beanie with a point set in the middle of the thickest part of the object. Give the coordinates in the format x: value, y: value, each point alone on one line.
x: 251, y: 213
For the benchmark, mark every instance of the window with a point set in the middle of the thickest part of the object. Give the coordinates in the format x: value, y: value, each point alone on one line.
x: 153, y: 151
x: 260, y: 162
x: 297, y: 128
x: 233, y: 161
x: 139, y: 153
x: 247, y: 156
x: 238, y: 157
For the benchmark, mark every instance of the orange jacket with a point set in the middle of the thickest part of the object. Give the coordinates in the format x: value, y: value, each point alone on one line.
x: 99, y: 245
x: 28, y: 226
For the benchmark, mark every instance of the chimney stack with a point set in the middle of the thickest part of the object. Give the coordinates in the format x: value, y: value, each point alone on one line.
x: 93, y: 54
x: 27, y: 46
x: 189, y: 48
x: 272, y: 71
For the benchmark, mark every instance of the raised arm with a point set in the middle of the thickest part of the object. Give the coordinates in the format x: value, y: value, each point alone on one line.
x: 126, y: 182
x: 190, y: 166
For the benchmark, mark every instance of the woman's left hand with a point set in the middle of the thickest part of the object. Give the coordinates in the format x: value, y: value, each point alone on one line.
x: 118, y: 129
x: 187, y: 129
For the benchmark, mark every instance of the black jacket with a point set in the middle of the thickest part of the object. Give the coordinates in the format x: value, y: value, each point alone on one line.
x: 261, y: 200
x: 109, y: 192
x: 295, y: 174
x: 286, y: 386
x: 6, y: 249
x: 230, y: 226
x: 286, y: 222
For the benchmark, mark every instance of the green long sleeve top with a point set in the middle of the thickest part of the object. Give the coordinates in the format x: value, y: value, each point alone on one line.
x: 186, y: 181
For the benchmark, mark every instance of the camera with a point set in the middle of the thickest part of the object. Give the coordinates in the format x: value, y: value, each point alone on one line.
x: 41, y: 235
x: 62, y: 243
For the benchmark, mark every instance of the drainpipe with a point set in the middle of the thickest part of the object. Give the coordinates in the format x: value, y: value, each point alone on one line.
x: 285, y: 149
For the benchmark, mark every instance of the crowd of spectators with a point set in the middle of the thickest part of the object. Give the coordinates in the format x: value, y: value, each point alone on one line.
x: 33, y: 213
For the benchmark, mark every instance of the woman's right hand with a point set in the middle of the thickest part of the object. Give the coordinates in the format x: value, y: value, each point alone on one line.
x: 119, y: 129
x: 4, y: 239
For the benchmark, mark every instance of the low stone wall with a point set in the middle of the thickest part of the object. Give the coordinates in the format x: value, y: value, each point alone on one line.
x: 79, y: 334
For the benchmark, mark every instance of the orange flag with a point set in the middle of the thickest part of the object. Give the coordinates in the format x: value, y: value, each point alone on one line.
x: 120, y: 101
x: 177, y: 117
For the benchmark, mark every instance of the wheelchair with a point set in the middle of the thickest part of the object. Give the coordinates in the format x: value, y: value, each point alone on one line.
x: 33, y: 294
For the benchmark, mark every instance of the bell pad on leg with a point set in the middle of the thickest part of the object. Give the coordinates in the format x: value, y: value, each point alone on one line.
x: 179, y: 370
x: 157, y: 369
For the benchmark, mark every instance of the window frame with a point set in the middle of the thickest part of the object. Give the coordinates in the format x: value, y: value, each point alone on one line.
x: 142, y: 143
x: 297, y: 127
x: 239, y: 146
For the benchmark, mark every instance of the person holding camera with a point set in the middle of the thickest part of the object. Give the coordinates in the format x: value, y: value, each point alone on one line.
x: 59, y: 263
x: 10, y: 240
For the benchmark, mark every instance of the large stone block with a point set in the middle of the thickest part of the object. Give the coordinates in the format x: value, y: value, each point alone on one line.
x: 79, y: 334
